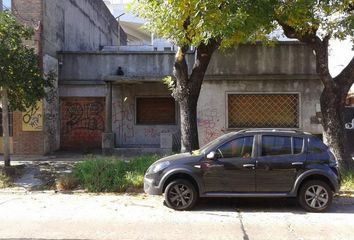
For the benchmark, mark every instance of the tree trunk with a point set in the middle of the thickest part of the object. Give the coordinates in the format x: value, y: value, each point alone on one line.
x: 189, y: 125
x: 187, y: 91
x: 5, y: 126
x: 333, y: 104
x: 333, y: 127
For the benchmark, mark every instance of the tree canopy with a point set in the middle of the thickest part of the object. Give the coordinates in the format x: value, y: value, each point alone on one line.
x: 20, y: 72
x: 192, y: 22
x: 329, y: 18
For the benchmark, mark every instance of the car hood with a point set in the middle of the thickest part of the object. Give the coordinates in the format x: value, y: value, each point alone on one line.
x: 180, y: 157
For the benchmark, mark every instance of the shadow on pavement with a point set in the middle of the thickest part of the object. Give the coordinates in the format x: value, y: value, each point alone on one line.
x: 340, y: 205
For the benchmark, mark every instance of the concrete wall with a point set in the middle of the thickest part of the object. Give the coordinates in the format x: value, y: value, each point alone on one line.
x: 78, y: 25
x: 128, y: 133
x: 282, y: 59
x: 212, y: 104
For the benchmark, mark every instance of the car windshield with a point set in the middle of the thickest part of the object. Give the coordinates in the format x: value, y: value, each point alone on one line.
x: 213, y: 143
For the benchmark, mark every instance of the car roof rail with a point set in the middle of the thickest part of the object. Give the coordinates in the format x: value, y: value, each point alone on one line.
x: 272, y: 130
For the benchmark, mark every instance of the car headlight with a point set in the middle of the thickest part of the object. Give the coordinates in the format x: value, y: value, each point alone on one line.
x: 158, y: 167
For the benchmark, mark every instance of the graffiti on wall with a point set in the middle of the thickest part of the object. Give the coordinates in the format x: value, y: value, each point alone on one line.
x: 123, y: 120
x: 208, y: 119
x: 84, y: 116
x: 154, y: 133
x: 350, y: 125
x: 82, y: 122
x: 32, y: 118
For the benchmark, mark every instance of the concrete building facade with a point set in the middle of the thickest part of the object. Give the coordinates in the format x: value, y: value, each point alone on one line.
x: 114, y: 98
x: 72, y: 25
x: 251, y: 86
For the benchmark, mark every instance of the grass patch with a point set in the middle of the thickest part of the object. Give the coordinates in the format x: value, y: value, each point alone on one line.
x: 5, y: 181
x: 112, y: 174
x: 347, y: 181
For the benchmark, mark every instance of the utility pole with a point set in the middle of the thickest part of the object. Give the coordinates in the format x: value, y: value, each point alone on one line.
x: 1, y: 9
x: 118, y: 19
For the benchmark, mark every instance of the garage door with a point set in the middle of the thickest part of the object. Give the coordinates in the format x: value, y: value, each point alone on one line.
x: 82, y: 123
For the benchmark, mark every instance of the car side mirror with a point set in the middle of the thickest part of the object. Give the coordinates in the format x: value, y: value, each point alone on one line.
x: 211, y: 155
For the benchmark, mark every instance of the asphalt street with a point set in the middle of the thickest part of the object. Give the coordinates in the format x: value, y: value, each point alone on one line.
x: 86, y: 216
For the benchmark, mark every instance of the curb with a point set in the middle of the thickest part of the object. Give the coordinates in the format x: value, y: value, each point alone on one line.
x: 346, y: 192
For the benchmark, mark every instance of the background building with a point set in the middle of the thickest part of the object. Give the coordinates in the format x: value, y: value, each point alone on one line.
x: 137, y: 37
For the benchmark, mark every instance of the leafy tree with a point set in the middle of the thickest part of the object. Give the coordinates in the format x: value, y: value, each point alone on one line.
x: 21, y: 81
x: 206, y: 26
x: 315, y: 23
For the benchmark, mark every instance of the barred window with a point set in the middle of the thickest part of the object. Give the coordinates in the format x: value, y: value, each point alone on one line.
x: 156, y: 110
x: 10, y: 124
x: 263, y: 110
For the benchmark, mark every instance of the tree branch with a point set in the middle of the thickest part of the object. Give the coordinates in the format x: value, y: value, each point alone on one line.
x: 319, y: 46
x: 347, y: 74
x: 345, y: 79
x: 290, y: 32
x: 203, y: 56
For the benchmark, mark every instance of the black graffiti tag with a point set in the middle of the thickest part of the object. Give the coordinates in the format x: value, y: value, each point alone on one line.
x: 84, y: 116
x: 31, y: 117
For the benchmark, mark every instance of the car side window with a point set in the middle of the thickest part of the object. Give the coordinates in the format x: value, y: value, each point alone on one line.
x: 240, y: 147
x: 298, y: 144
x: 316, y: 145
x: 276, y: 145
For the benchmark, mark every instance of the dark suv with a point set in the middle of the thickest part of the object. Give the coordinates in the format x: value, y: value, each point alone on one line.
x: 249, y: 163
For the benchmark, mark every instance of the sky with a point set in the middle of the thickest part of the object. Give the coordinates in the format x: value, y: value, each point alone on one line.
x: 7, y: 3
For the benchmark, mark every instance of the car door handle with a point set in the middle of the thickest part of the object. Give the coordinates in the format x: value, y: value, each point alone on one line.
x: 215, y: 165
x: 297, y: 163
x: 248, y: 165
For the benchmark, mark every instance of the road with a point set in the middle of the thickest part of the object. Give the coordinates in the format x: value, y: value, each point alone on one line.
x: 87, y: 216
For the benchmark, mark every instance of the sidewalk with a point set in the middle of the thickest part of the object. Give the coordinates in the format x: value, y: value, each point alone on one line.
x: 56, y: 156
x: 35, y: 173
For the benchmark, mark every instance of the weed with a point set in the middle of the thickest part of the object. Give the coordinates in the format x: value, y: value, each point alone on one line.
x: 66, y: 182
x: 347, y: 180
x: 5, y: 181
x: 112, y: 174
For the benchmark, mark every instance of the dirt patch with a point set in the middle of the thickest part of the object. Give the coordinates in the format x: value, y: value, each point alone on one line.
x: 34, y: 176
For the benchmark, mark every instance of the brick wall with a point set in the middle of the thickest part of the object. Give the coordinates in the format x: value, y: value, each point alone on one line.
x: 26, y: 143
x: 28, y: 12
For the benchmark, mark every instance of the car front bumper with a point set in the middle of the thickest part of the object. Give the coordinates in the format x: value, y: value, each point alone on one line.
x: 150, y: 187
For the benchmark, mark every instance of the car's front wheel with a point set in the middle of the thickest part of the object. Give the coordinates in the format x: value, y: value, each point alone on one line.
x: 180, y: 195
x: 315, y: 196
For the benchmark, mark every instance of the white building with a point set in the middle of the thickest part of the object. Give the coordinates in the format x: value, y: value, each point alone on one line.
x: 133, y: 26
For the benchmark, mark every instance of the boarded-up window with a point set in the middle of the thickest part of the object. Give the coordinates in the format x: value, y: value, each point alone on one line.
x: 156, y: 110
x: 263, y: 110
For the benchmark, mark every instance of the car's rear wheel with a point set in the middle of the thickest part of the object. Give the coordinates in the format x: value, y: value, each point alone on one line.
x: 315, y: 196
x: 180, y: 195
